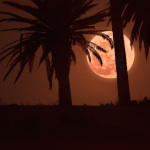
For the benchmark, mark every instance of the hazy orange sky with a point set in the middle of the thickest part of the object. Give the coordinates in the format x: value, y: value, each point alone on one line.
x: 86, y: 87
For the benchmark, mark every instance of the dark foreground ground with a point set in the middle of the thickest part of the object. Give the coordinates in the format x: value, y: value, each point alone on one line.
x: 75, y: 128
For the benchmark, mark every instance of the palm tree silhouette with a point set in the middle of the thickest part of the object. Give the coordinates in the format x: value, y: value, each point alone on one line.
x: 115, y: 11
x: 121, y: 13
x: 58, y: 25
x: 138, y: 11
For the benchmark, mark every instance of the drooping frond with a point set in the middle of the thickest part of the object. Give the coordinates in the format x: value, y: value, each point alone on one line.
x: 50, y: 70
x: 73, y: 57
x: 79, y: 8
x: 104, y: 36
x: 88, y: 21
x: 139, y: 12
x: 90, y: 47
x: 38, y: 3
x: 52, y: 25
x: 95, y: 53
x: 97, y: 47
x: 17, y: 18
x: 119, y: 7
x: 22, y: 52
x: 31, y: 10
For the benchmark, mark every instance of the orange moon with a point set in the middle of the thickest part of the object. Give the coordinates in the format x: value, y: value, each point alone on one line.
x: 108, y: 69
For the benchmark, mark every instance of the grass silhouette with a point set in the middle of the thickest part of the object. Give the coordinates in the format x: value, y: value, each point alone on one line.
x: 78, y: 127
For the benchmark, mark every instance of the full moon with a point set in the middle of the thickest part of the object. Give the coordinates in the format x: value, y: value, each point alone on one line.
x: 108, y: 69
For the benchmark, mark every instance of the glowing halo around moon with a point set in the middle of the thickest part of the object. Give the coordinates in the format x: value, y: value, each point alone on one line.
x: 108, y: 69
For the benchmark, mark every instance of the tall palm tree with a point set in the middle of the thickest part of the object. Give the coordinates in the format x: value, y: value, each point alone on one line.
x: 115, y: 12
x: 121, y: 13
x: 57, y: 26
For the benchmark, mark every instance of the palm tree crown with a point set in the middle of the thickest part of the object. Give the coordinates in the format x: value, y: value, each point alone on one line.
x: 55, y: 23
x: 138, y: 11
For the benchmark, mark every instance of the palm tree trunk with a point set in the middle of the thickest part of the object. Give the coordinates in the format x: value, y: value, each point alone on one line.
x: 62, y: 61
x: 64, y: 92
x: 120, y: 55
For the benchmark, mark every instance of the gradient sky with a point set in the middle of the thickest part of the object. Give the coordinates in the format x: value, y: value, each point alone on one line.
x: 86, y: 87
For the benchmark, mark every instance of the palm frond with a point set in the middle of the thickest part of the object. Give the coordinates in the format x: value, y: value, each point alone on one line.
x: 89, y: 31
x: 128, y: 14
x: 38, y: 3
x: 25, y: 52
x: 8, y: 54
x: 22, y: 66
x: 31, y: 62
x: 50, y: 70
x: 16, y: 41
x: 31, y: 28
x: 17, y: 18
x: 95, y: 53
x: 13, y: 42
x: 88, y: 54
x: 80, y: 8
x: 12, y: 57
x: 96, y: 32
x: 104, y: 36
x: 14, y: 63
x: 82, y: 23
x: 82, y: 42
x: 31, y: 10
x: 52, y: 25
x: 34, y: 37
x: 138, y: 11
x: 95, y: 46
x: 73, y: 56
x: 145, y: 37
x: 135, y: 31
x: 46, y: 50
